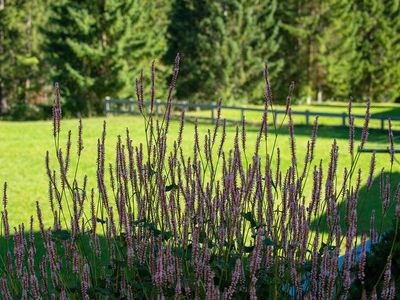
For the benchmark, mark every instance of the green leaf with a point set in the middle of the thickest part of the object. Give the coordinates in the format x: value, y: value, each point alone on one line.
x: 101, y: 221
x: 330, y: 247
x: 155, y: 231
x: 138, y: 286
x: 268, y: 242
x: 104, y: 291
x: 307, y: 266
x: 61, y: 235
x: 248, y: 249
x: 171, y: 187
x: 202, y: 236
x: 178, y: 251
x: 120, y: 263
x: 70, y: 288
x: 27, y: 60
x: 249, y: 217
x: 140, y: 221
x: 166, y: 235
x: 152, y: 172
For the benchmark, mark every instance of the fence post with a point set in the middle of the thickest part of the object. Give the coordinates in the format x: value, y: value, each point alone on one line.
x: 307, y: 117
x: 185, y: 106
x: 275, y: 115
x: 212, y: 113
x: 158, y: 107
x: 242, y: 114
x: 107, y: 105
x: 344, y: 115
x: 382, y: 124
x: 130, y: 105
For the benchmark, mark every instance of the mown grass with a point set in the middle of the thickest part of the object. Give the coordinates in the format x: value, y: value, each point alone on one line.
x: 377, y: 109
x: 24, y: 144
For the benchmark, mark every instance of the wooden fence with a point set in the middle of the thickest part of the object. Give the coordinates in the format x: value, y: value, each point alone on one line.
x: 131, y: 108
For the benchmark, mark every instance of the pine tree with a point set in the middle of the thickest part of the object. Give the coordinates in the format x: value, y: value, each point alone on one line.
x: 86, y: 46
x: 302, y: 26
x: 224, y: 45
x: 289, y: 50
x: 250, y: 41
x: 320, y: 47
x: 21, y: 59
x: 339, y: 57
x: 186, y: 19
x: 379, y: 45
x: 148, y: 42
x: 97, y: 48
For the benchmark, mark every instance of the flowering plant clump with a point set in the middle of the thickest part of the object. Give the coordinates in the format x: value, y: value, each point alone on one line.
x: 212, y: 224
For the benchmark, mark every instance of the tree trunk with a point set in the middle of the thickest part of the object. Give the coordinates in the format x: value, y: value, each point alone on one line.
x: 3, y: 100
x: 309, y: 99
x: 319, y: 96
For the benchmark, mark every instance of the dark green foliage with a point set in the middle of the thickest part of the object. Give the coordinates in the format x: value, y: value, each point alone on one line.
x: 22, y: 69
x: 21, y: 111
x: 171, y: 187
x: 148, y: 42
x: 379, y: 45
x: 376, y: 262
x: 97, y: 48
x: 333, y: 49
x: 319, y: 42
x: 339, y: 57
x: 224, y: 46
x: 86, y: 42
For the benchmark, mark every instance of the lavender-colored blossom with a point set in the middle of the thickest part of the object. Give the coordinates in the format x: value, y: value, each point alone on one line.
x: 292, y: 139
x: 351, y: 136
x: 361, y: 272
x: 5, y: 289
x: 80, y: 138
x: 391, y: 142
x: 364, y: 134
x: 85, y: 284
x: 56, y: 111
x: 386, y: 280
x: 214, y: 223
x: 371, y: 171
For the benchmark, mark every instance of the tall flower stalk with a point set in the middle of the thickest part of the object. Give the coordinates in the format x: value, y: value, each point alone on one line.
x: 213, y: 223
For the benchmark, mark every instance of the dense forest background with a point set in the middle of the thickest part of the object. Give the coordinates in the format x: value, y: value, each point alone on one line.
x: 332, y: 49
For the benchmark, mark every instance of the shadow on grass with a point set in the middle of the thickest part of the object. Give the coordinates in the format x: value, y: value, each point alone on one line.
x: 40, y: 249
x: 324, y: 132
x: 367, y: 202
x: 391, y: 112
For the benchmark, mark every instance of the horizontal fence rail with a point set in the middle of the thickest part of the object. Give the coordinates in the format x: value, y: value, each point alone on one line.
x: 380, y: 150
x: 158, y: 104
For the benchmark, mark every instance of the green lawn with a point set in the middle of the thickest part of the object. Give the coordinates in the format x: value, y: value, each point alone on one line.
x: 379, y: 109
x: 23, y: 146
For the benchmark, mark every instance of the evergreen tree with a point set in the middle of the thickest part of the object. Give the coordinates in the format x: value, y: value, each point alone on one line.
x: 379, y: 45
x: 224, y: 45
x: 339, y: 56
x: 86, y: 46
x: 148, y: 42
x: 250, y: 41
x: 97, y: 48
x: 21, y: 59
x: 302, y: 26
x: 183, y: 32
x: 287, y: 13
x: 320, y: 47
